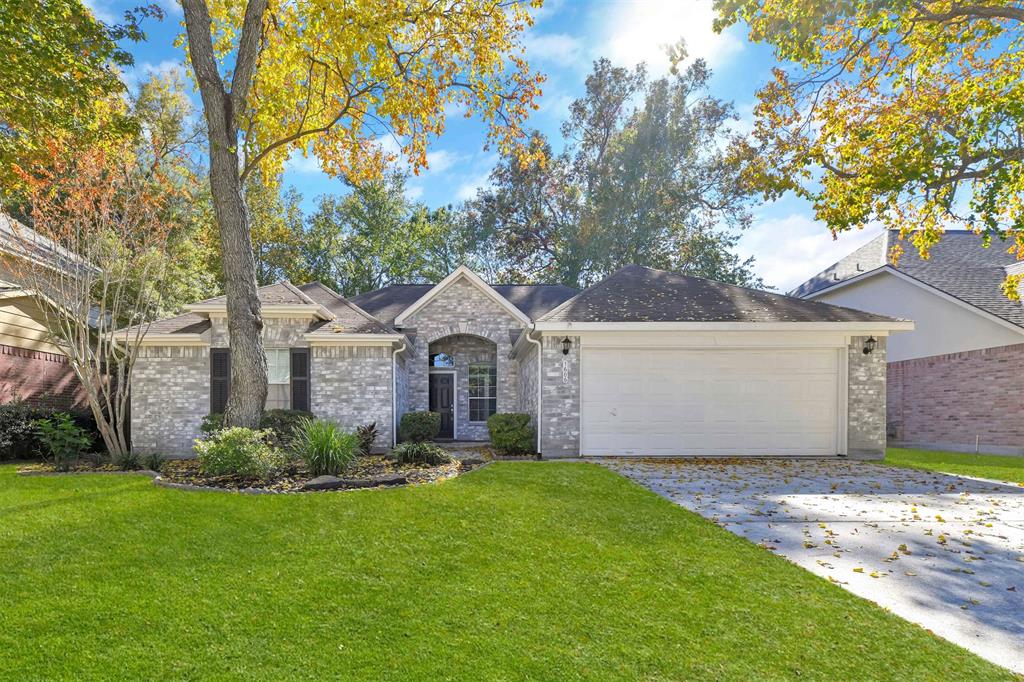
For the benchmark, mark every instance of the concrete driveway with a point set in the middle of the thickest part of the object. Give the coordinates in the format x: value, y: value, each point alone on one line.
x: 945, y: 552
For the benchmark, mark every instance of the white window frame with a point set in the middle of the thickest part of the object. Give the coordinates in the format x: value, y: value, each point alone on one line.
x: 278, y: 352
x: 492, y: 367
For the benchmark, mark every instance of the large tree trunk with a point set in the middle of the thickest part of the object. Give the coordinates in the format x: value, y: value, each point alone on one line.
x: 245, y: 322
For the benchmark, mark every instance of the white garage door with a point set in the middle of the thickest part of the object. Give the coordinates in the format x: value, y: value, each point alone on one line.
x: 709, y: 402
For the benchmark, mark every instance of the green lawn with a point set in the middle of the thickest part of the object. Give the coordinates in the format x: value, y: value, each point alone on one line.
x: 998, y: 467
x: 519, y: 570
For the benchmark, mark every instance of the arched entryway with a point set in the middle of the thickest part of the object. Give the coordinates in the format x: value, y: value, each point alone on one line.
x: 463, y: 384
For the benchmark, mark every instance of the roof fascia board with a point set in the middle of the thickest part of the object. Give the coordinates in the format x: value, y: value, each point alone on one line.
x: 459, y: 273
x: 922, y: 285
x: 312, y: 309
x: 173, y: 340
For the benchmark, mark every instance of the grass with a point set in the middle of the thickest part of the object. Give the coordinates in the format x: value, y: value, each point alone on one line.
x: 519, y: 570
x: 996, y: 467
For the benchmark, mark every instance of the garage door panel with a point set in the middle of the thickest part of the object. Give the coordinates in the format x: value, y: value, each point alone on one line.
x: 709, y: 402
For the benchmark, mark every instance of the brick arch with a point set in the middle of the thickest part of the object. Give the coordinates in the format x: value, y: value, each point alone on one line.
x: 464, y: 329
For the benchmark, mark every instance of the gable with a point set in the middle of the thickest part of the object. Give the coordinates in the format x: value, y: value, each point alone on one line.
x: 464, y: 294
x: 942, y: 324
x: 462, y: 301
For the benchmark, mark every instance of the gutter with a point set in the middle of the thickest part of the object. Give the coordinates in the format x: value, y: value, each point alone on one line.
x: 540, y: 349
x: 394, y: 392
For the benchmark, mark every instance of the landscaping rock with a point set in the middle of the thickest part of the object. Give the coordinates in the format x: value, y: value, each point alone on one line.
x: 324, y: 483
x: 373, y: 482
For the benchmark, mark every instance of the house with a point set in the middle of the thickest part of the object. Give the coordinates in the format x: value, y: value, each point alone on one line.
x: 645, y: 362
x: 954, y: 382
x: 32, y: 367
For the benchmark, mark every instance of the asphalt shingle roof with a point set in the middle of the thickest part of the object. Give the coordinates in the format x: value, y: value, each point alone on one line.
x: 532, y: 299
x: 959, y: 265
x: 639, y: 294
x: 348, y: 318
x: 281, y: 293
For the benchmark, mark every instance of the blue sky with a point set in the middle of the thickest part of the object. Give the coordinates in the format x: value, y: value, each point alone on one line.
x: 568, y: 35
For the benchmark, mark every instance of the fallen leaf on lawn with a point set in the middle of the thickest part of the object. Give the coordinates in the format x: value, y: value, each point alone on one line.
x: 858, y: 570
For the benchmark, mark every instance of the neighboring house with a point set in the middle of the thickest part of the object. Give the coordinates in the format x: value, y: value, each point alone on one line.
x: 32, y: 368
x: 956, y: 381
x: 644, y: 363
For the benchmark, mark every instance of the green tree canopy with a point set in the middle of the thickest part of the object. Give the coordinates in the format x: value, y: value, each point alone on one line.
x: 908, y: 113
x: 642, y: 179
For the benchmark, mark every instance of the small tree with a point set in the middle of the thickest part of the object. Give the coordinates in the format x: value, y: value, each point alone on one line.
x: 96, y: 262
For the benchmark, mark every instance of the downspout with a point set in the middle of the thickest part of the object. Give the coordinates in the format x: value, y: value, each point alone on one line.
x: 540, y: 348
x: 394, y: 393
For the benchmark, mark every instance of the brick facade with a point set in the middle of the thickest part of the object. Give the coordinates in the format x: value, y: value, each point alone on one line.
x: 463, y: 310
x: 560, y: 398
x: 866, y: 399
x: 170, y: 397
x: 39, y: 378
x: 351, y: 385
x: 948, y: 401
x: 466, y: 351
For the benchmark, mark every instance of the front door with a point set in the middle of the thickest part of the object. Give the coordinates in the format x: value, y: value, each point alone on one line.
x: 442, y: 401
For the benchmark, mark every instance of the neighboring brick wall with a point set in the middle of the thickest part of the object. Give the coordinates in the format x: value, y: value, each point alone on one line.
x: 560, y: 399
x: 462, y: 309
x: 170, y: 396
x: 866, y: 399
x: 39, y: 378
x: 351, y: 385
x: 946, y: 401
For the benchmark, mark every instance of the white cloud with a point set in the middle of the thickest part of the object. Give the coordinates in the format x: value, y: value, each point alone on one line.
x: 141, y: 72
x: 306, y: 165
x: 413, y: 192
x: 101, y: 10
x: 790, y: 249
x: 468, y: 189
x: 441, y: 160
x: 641, y: 30
x: 557, y: 47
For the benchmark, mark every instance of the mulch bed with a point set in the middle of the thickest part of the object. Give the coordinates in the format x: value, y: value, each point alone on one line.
x: 374, y: 471
x: 81, y: 467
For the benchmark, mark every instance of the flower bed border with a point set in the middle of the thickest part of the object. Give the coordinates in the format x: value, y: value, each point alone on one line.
x: 163, y: 482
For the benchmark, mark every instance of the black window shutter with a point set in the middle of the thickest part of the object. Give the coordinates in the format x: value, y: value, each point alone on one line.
x: 300, y: 379
x: 220, y: 378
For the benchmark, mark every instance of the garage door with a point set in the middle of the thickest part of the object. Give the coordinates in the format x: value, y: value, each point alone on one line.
x: 665, y: 402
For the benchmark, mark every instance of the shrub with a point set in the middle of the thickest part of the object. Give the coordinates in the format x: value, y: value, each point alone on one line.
x: 63, y: 439
x: 19, y: 434
x: 212, y: 423
x: 154, y: 461
x: 420, y: 426
x: 128, y: 461
x: 367, y: 434
x: 324, y: 446
x: 511, y: 433
x: 281, y: 423
x: 239, y: 451
x: 421, y: 453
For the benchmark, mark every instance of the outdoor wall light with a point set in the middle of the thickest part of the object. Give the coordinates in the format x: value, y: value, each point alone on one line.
x: 869, y: 345
x: 566, y: 345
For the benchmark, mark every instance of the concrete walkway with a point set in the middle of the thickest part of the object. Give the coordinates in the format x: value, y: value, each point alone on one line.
x: 945, y: 552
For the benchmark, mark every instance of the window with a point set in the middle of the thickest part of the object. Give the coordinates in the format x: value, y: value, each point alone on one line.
x: 279, y: 379
x: 442, y: 360
x: 483, y: 391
